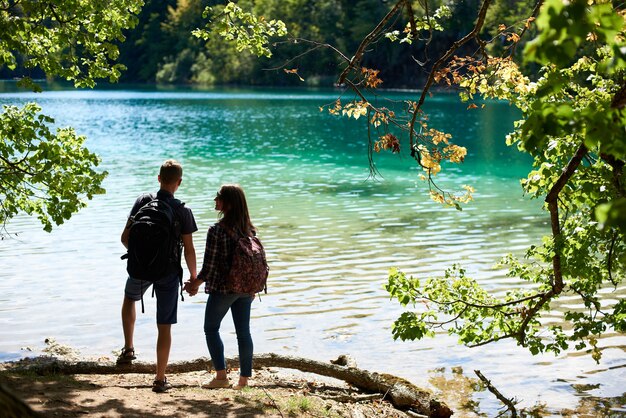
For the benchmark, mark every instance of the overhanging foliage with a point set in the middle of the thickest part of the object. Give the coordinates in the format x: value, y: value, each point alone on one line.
x: 45, y: 173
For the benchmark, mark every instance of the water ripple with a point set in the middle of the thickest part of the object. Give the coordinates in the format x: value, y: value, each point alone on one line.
x: 330, y: 234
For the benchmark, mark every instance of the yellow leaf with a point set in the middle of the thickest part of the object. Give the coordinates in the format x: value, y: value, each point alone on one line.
x: 293, y: 71
x: 514, y: 37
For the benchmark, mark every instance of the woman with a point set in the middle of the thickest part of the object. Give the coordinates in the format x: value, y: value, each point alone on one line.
x: 222, y: 237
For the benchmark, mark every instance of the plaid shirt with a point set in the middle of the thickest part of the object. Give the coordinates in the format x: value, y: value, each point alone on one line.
x: 218, y: 256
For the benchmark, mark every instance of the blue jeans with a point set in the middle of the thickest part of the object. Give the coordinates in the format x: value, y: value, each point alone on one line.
x: 216, y: 308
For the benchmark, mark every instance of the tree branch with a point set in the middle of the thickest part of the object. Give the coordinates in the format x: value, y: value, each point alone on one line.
x: 445, y: 57
x: 493, y: 340
x: 358, y: 55
x: 57, y: 17
x: 567, y: 173
x: 409, y: 9
x: 618, y: 169
x: 17, y: 165
x: 316, y: 46
x: 619, y: 100
x: 534, y: 14
x: 553, y: 207
x: 481, y: 306
x: 610, y: 258
x: 530, y: 314
x: 10, y: 4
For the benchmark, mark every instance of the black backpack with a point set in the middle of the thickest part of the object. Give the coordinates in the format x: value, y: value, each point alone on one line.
x: 154, y: 246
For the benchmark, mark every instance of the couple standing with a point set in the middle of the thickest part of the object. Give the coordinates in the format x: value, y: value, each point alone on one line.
x: 230, y: 201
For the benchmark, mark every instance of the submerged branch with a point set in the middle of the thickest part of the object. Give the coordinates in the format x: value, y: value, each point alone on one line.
x: 509, y: 403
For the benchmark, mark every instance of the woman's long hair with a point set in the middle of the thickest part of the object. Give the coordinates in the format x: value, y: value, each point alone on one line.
x: 235, y: 215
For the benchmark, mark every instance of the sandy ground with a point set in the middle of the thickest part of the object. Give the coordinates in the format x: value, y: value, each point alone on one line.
x: 273, y: 393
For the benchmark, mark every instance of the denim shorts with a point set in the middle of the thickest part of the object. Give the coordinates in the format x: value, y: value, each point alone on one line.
x: 166, y: 291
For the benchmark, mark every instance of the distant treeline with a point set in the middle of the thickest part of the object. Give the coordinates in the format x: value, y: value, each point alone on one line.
x: 162, y: 49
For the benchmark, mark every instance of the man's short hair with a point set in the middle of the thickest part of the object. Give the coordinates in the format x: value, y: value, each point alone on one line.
x: 171, y: 171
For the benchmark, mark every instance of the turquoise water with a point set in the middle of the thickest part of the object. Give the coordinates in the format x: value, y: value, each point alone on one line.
x: 330, y: 231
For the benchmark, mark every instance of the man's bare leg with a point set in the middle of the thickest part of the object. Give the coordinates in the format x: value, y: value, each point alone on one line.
x: 164, y: 343
x: 129, y: 315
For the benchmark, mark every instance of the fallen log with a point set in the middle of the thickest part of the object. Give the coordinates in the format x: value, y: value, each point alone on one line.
x: 402, y: 393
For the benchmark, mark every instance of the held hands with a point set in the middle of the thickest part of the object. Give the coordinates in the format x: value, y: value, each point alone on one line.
x: 191, y: 286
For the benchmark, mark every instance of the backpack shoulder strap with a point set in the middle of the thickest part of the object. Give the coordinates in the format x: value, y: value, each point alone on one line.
x: 142, y: 200
x: 227, y: 230
x: 173, y: 203
x: 147, y: 197
x: 235, y: 235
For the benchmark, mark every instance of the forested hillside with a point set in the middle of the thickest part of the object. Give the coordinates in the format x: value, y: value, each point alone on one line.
x: 161, y: 48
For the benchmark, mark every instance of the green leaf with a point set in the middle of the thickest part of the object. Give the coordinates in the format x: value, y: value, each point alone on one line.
x: 612, y: 214
x: 43, y: 173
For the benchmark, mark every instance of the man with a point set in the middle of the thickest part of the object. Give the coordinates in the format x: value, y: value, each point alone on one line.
x: 166, y: 286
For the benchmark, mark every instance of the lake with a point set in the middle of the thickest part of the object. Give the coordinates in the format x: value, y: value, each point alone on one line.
x: 331, y: 233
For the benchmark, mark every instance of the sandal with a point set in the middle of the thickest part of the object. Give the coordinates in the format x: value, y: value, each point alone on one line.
x: 161, y: 386
x: 126, y: 356
x: 241, y: 385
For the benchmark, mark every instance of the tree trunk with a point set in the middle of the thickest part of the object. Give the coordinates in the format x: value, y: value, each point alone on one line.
x: 13, y: 407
